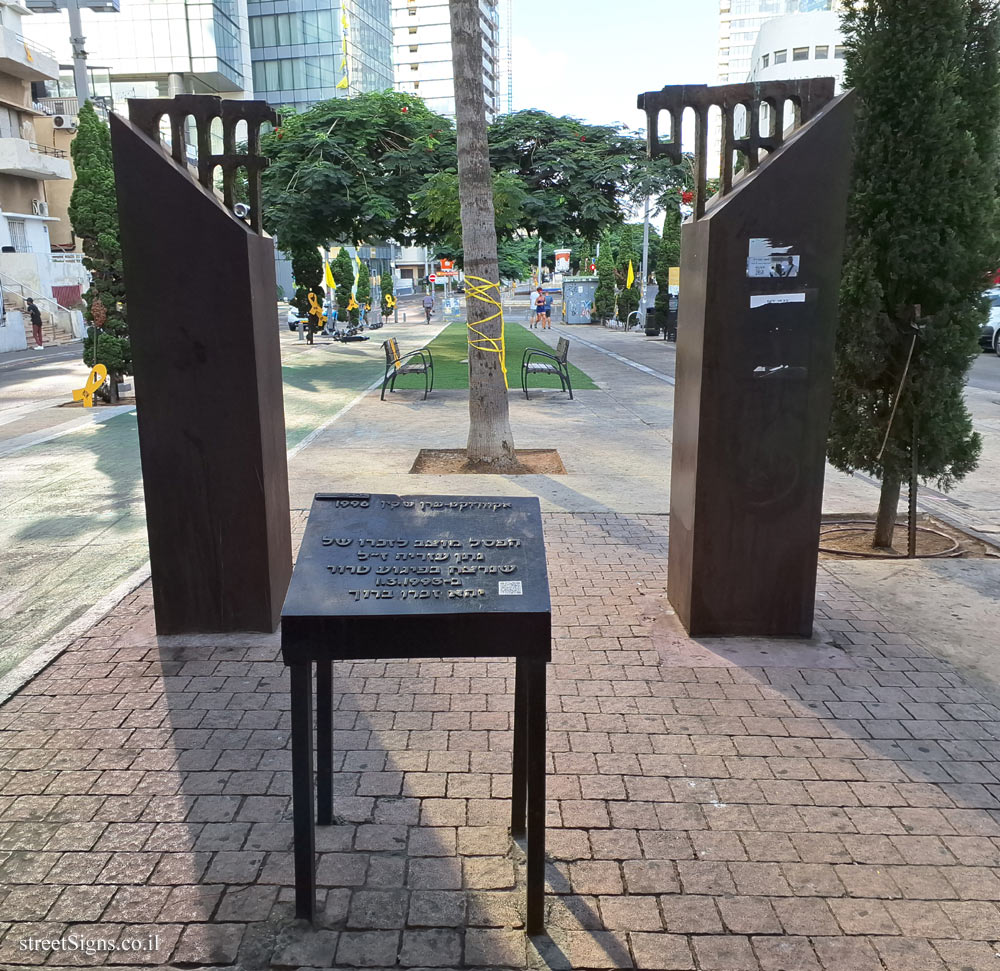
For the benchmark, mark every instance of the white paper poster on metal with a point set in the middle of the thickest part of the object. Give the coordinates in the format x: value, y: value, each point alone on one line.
x: 763, y: 299
x: 767, y: 260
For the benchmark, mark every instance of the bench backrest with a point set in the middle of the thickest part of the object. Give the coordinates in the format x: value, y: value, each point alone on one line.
x: 562, y: 349
x: 391, y: 348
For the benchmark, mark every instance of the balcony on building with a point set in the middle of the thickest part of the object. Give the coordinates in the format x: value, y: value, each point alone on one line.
x: 30, y: 160
x: 23, y: 58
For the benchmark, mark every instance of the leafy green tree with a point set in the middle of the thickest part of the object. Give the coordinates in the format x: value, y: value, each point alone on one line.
x: 604, y: 297
x: 388, y: 290
x: 669, y: 256
x: 583, y: 258
x: 437, y: 205
x: 307, y: 271
x: 343, y: 276
x: 921, y: 238
x: 363, y: 292
x: 93, y: 213
x: 347, y: 169
x: 578, y: 178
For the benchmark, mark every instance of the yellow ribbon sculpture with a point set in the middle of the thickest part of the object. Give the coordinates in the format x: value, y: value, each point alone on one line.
x: 98, y: 375
x: 480, y: 290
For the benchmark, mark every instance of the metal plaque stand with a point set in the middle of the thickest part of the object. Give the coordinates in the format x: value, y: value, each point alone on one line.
x: 382, y: 576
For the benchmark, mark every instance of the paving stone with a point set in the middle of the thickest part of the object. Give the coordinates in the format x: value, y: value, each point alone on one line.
x: 907, y: 954
x: 580, y: 949
x: 306, y: 948
x: 436, y: 908
x: 840, y: 953
x: 724, y: 953
x: 494, y: 948
x: 662, y: 952
x: 377, y: 909
x: 430, y: 948
x: 785, y: 953
x: 214, y: 943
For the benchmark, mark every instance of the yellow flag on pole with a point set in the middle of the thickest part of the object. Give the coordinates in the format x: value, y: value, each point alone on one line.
x: 342, y: 83
x: 631, y: 276
x: 328, y: 273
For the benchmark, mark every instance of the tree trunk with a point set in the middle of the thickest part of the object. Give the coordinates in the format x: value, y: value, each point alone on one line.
x: 490, y: 437
x: 886, y: 519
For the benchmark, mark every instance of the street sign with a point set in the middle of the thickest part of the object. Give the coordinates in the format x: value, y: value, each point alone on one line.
x: 432, y: 277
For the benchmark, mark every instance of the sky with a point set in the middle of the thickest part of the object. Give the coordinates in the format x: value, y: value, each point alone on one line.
x: 590, y: 59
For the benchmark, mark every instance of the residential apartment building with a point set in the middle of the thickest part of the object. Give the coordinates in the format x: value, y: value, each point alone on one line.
x: 27, y: 168
x: 739, y: 23
x: 306, y: 51
x: 422, y: 44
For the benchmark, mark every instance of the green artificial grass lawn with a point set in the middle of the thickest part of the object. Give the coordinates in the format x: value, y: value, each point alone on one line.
x: 451, y: 353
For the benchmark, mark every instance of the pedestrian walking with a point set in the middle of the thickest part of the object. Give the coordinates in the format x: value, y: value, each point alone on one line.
x: 539, y: 308
x: 428, y: 306
x: 547, y: 319
x: 36, y: 323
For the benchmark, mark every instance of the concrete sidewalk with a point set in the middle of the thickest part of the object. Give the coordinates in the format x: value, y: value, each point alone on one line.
x: 724, y: 805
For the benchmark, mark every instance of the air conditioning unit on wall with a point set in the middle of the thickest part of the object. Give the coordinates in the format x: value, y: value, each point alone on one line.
x: 39, y: 207
x: 69, y: 122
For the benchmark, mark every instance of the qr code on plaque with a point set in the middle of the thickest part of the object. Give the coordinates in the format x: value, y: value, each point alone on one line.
x: 510, y: 588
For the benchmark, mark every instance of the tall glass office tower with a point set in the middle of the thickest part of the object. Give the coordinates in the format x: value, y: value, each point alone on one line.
x: 306, y: 51
x: 156, y: 48
x: 739, y: 22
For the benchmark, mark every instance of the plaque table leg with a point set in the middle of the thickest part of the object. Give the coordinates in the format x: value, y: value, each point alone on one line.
x: 535, y: 923
x: 519, y: 767
x: 324, y: 742
x: 303, y: 818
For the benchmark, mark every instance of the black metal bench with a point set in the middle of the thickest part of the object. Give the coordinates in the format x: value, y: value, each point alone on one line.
x: 550, y: 364
x: 396, y: 364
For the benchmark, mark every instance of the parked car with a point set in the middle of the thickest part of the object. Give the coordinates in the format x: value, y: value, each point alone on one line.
x: 293, y: 319
x: 989, y: 336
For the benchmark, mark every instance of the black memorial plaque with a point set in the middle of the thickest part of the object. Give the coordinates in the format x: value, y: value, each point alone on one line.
x: 384, y: 576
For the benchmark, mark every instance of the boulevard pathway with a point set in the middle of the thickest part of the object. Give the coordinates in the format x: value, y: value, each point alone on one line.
x: 723, y: 805
x: 72, y: 522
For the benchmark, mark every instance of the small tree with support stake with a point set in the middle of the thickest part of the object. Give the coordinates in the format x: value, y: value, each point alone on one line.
x: 922, y: 235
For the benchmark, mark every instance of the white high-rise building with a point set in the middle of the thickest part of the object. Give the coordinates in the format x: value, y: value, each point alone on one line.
x: 421, y: 33
x: 739, y: 23
x: 808, y: 46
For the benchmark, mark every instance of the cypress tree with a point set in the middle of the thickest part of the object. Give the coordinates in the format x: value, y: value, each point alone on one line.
x: 604, y: 297
x: 669, y: 256
x: 343, y: 275
x: 364, y: 288
x: 307, y: 269
x: 921, y: 239
x: 388, y: 290
x: 93, y: 213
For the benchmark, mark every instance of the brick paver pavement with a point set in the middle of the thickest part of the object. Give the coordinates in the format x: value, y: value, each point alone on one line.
x: 727, y: 805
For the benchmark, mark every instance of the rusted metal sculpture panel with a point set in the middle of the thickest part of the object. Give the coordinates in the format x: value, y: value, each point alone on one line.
x: 205, y: 345
x: 760, y: 275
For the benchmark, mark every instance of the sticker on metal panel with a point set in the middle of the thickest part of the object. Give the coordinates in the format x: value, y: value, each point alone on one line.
x: 510, y: 588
